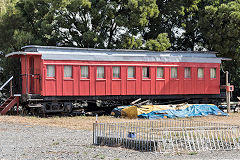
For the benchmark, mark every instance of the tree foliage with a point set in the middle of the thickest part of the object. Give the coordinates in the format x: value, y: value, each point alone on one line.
x: 128, y: 24
x: 102, y: 24
x: 161, y: 43
x: 178, y: 19
x: 220, y: 27
x: 80, y: 23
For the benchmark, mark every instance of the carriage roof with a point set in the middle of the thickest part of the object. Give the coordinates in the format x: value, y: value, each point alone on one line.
x: 90, y: 54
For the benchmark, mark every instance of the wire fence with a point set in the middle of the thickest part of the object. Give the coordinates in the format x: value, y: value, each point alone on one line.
x: 166, y: 136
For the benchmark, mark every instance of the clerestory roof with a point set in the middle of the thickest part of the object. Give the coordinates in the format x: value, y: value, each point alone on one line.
x: 90, y: 54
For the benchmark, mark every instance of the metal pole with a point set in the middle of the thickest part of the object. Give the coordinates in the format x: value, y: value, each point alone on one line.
x: 11, y: 92
x: 26, y: 74
x: 227, y: 94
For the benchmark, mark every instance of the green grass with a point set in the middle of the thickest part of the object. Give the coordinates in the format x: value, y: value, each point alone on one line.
x: 192, y: 153
x: 55, y: 143
x: 99, y: 156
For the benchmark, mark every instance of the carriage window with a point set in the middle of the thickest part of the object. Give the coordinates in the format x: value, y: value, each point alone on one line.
x: 213, y: 73
x: 187, y: 72
x: 100, y: 72
x: 200, y: 73
x: 160, y: 72
x: 173, y: 72
x: 145, y: 72
x: 131, y: 72
x: 84, y: 71
x: 68, y: 71
x: 50, y: 70
x: 116, y: 72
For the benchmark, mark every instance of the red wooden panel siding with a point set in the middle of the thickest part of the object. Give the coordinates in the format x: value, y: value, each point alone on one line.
x: 92, y: 84
x: 116, y: 87
x: 100, y: 87
x: 208, y: 82
x: 51, y: 87
x: 194, y: 78
x: 78, y: 86
x: 186, y: 87
x: 146, y: 83
x: 84, y: 83
x: 138, y: 82
x: 59, y: 78
x: 84, y: 87
x: 160, y: 87
x: 68, y: 87
x: 131, y: 87
x: 174, y: 82
x: 31, y: 82
x: 181, y: 80
x: 75, y: 80
x: 124, y: 80
x: 146, y: 86
x: 108, y: 77
x: 153, y: 76
x: 115, y: 83
x: 37, y: 72
x: 166, y: 83
x: 213, y: 82
x: 23, y: 71
x: 101, y: 84
x: 200, y: 86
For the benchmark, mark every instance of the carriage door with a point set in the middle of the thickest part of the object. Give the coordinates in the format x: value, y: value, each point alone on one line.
x: 31, y: 76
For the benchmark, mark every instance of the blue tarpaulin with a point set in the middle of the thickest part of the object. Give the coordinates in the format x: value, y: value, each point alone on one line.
x: 167, y: 111
x: 191, y: 111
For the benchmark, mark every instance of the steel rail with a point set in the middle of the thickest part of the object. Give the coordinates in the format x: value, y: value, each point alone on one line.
x: 6, y: 83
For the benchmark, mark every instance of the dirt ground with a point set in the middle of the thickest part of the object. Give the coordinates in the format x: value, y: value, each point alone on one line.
x: 86, y: 122
x: 71, y: 138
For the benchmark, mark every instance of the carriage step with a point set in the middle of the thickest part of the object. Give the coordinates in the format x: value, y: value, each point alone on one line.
x: 8, y: 104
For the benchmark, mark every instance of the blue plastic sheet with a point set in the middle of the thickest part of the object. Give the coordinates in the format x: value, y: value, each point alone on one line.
x: 191, y: 111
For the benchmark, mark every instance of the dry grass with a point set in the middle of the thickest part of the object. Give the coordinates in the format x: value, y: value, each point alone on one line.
x: 233, y: 118
x: 81, y: 122
x: 86, y: 123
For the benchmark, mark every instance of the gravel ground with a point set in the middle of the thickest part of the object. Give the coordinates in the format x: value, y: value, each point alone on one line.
x: 18, y: 141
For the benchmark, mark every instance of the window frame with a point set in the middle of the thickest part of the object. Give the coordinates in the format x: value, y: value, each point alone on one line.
x: 134, y: 72
x: 104, y: 73
x: 87, y: 72
x: 163, y: 71
x: 50, y: 77
x: 215, y: 73
x: 148, y: 70
x: 171, y: 73
x: 203, y: 73
x: 119, y: 77
x: 71, y: 72
x: 185, y: 72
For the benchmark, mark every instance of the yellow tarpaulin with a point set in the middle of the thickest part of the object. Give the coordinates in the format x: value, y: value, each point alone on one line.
x: 134, y: 111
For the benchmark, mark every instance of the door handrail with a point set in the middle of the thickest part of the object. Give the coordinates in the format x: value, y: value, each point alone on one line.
x: 6, y: 83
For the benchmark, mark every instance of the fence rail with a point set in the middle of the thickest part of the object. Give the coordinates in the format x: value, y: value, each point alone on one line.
x: 167, y: 135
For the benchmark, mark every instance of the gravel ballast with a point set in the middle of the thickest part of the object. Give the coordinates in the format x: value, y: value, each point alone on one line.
x: 19, y: 141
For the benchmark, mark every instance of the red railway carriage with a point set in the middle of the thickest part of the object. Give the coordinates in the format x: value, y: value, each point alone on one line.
x: 63, y: 74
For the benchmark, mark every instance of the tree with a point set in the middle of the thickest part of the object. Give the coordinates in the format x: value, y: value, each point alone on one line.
x: 130, y: 42
x: 220, y: 27
x: 161, y: 43
x: 25, y: 22
x: 179, y: 19
x: 81, y: 23
x: 3, y: 6
x: 102, y: 23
